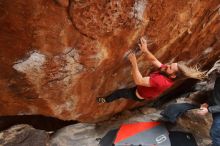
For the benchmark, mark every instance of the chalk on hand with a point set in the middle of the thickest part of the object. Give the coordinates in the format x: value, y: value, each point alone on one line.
x: 137, y: 50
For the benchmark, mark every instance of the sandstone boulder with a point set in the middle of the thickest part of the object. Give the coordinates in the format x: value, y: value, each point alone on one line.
x: 57, y: 56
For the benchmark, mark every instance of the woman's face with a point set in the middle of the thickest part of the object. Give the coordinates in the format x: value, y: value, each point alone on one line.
x: 170, y: 69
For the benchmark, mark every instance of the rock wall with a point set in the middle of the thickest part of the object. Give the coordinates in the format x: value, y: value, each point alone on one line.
x: 57, y: 56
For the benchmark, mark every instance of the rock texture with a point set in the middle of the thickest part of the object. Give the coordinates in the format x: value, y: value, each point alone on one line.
x: 198, y: 125
x: 57, y: 56
x: 23, y: 135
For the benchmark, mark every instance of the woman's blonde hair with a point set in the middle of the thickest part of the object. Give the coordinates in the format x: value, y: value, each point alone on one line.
x: 190, y: 72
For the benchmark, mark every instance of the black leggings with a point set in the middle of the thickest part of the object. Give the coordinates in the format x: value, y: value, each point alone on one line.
x: 127, y: 93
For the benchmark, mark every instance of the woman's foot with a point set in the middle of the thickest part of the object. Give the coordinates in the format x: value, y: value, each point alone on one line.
x: 101, y: 100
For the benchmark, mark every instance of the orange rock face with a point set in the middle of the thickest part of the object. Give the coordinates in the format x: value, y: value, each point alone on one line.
x: 57, y: 56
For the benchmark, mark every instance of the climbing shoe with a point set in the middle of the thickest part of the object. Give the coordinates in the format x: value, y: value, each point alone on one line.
x: 101, y: 100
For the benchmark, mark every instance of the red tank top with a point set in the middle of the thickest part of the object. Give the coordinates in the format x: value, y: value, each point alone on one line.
x: 158, y: 82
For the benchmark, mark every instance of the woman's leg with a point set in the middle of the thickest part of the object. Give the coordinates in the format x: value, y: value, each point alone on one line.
x: 128, y: 93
